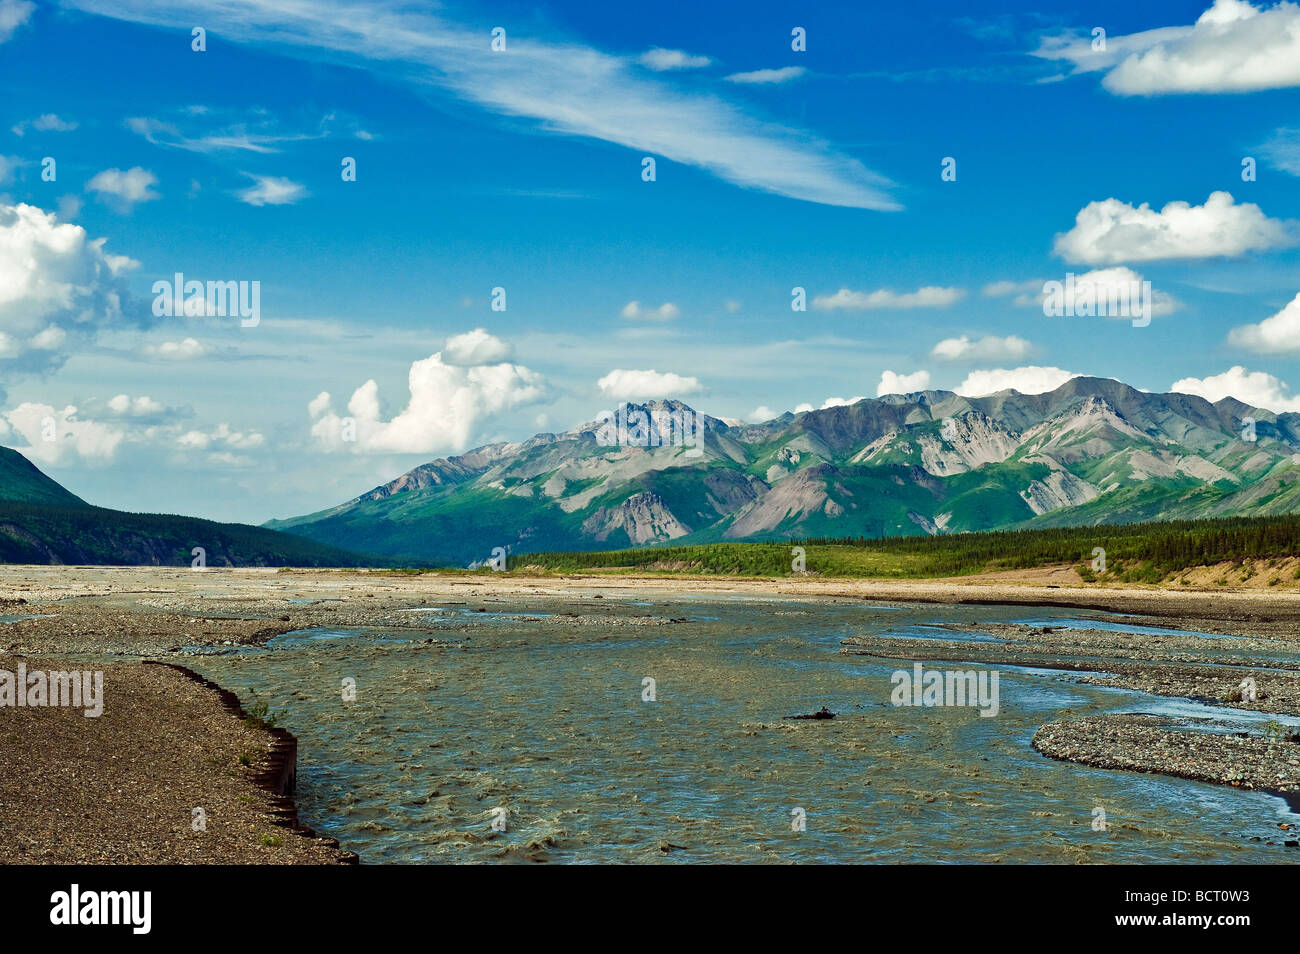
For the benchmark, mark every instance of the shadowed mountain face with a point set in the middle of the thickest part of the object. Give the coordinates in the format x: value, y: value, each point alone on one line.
x: 41, y: 522
x: 1092, y: 451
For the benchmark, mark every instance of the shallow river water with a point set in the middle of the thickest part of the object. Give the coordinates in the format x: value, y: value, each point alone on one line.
x: 539, y: 725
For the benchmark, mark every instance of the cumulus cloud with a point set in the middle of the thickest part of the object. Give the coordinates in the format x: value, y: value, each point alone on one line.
x: 892, y: 383
x: 767, y: 77
x: 183, y: 350
x: 47, y: 122
x: 124, y: 189
x: 1030, y: 379
x: 13, y: 14
x: 1111, y: 232
x: 829, y: 402
x: 475, y: 347
x: 762, y: 413
x: 446, y: 407
x: 1233, y: 47
x: 1256, y: 388
x: 928, y: 297
x: 626, y: 385
x: 665, y: 312
x: 988, y: 348
x: 59, y: 436
x: 659, y: 60
x: 97, y: 433
x: 57, y: 286
x: 1093, y: 288
x: 221, y: 440
x: 124, y: 405
x: 1279, y: 334
x: 271, y: 190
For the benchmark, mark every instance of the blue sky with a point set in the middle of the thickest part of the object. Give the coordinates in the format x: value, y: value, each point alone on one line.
x: 522, y: 169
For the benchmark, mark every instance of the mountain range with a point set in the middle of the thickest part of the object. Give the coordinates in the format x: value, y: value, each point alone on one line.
x: 933, y: 462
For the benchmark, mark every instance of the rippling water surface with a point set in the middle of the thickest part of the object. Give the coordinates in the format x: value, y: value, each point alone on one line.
x: 515, y: 709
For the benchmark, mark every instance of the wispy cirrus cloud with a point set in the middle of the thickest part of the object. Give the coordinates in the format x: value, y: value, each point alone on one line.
x: 205, y: 130
x: 661, y: 60
x: 566, y: 87
x: 13, y: 14
x: 1283, y: 150
x: 768, y: 77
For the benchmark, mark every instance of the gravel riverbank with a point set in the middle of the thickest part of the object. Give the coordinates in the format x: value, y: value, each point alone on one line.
x: 123, y: 787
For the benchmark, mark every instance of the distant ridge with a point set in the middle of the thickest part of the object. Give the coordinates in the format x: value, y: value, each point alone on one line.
x: 42, y: 522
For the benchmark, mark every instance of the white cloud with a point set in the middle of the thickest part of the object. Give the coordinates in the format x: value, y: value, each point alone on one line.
x: 844, y: 402
x: 1234, y: 47
x: 1256, y: 388
x: 566, y: 87
x: 47, y: 122
x: 893, y: 383
x: 1283, y: 150
x: 1100, y: 285
x: 13, y: 14
x: 665, y: 312
x: 7, y: 166
x: 474, y: 348
x: 762, y: 413
x: 928, y: 297
x: 124, y: 189
x: 272, y: 190
x: 161, y: 133
x: 90, y: 441
x: 988, y: 348
x: 123, y: 405
x: 50, y: 338
x: 1279, y: 334
x: 659, y: 59
x: 768, y: 77
x: 447, y: 404
x: 55, y: 284
x: 1029, y: 379
x: 221, y: 440
x: 1004, y: 289
x: 1111, y: 232
x: 625, y: 385
x: 182, y: 350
